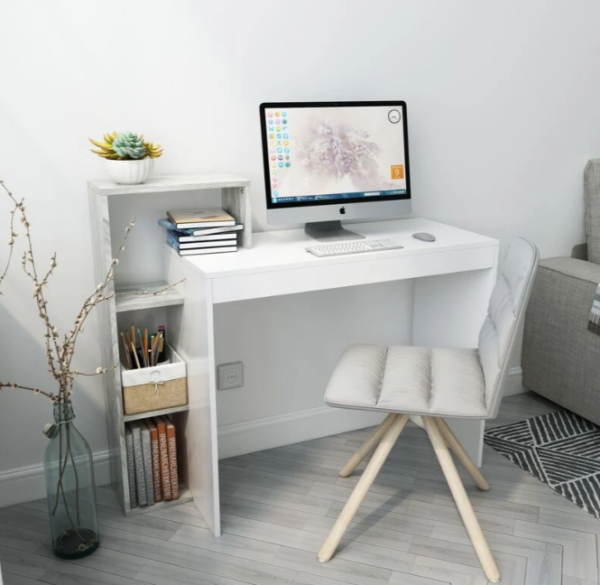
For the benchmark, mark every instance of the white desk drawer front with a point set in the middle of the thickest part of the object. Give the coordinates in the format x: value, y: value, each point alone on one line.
x: 375, y: 268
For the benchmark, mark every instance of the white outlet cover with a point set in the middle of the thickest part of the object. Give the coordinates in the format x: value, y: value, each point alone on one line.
x: 230, y: 376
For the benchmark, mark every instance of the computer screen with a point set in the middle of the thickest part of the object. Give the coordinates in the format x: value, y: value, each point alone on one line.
x: 334, y: 152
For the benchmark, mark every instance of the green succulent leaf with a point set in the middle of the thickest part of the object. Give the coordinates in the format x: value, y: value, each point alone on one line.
x: 128, y: 145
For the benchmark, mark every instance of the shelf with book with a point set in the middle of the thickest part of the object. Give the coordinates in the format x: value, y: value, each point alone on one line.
x: 143, y: 267
x: 185, y: 496
x: 146, y: 296
x: 141, y: 415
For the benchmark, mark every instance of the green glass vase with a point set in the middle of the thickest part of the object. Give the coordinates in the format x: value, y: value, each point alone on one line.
x: 70, y: 487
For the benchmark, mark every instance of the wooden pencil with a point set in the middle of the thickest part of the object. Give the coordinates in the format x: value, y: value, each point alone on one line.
x: 127, y: 359
x: 137, y: 361
x: 144, y: 360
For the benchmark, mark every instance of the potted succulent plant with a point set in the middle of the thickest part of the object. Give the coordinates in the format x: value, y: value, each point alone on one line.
x: 129, y: 158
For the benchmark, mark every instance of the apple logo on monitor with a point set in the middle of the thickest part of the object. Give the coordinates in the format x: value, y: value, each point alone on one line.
x: 342, y: 210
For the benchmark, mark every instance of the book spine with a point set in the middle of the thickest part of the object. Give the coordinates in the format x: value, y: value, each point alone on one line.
x: 165, y: 475
x: 147, y: 455
x: 172, y: 444
x: 156, y: 464
x: 174, y: 246
x: 205, y: 231
x: 173, y: 240
x: 140, y: 476
x: 133, y: 501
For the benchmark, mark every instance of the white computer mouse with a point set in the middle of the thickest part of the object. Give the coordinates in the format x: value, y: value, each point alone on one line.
x: 424, y: 236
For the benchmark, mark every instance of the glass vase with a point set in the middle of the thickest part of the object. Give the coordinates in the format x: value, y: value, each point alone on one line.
x: 70, y: 487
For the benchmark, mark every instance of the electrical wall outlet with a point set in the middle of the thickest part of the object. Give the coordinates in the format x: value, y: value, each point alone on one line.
x: 230, y: 376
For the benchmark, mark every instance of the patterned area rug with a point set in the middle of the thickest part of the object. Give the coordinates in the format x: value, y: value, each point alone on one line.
x: 560, y: 449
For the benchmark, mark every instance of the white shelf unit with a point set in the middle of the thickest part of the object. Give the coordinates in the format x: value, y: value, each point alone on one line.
x: 112, y: 207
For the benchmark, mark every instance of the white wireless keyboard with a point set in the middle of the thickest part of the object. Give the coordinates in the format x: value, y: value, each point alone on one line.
x: 353, y: 248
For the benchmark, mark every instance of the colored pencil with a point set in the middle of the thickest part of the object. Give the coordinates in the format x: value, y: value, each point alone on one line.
x: 146, y: 346
x: 155, y: 349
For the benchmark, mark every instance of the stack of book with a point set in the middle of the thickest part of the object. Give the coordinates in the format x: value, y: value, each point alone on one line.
x: 151, y: 461
x: 201, y: 231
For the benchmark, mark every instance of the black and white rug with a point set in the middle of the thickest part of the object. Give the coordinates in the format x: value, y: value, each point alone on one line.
x: 561, y: 449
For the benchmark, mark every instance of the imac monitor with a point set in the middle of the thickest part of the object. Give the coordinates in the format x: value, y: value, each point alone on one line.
x: 328, y: 161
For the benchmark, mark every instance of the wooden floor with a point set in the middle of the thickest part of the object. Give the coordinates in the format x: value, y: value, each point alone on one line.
x: 278, y: 505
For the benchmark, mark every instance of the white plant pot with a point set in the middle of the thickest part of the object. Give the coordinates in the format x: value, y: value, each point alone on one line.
x: 129, y: 172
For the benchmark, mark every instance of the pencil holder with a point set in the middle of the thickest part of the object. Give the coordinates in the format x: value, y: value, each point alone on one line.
x: 155, y: 388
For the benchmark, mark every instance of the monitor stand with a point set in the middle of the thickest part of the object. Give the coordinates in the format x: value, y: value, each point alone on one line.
x: 329, y: 230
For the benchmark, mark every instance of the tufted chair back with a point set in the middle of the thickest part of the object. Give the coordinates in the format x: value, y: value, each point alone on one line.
x: 506, y: 312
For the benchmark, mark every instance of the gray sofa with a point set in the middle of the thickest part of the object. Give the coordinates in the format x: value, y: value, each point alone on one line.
x: 561, y: 358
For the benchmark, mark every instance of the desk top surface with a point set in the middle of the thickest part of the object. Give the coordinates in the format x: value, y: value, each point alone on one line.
x: 286, y: 249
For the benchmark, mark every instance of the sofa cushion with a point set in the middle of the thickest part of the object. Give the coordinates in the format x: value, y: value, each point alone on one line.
x: 592, y: 209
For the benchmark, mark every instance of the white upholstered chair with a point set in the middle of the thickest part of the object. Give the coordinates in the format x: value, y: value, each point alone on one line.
x: 434, y: 384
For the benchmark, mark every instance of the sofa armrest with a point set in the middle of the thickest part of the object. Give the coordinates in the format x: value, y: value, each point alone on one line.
x: 572, y: 267
x: 560, y: 355
x: 580, y: 252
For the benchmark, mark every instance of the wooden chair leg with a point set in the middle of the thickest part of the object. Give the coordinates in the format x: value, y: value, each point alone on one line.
x: 462, y: 501
x: 462, y: 455
x: 367, y: 446
x: 362, y: 487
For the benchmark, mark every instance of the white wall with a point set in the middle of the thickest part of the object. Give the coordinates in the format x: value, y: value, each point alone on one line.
x: 503, y: 114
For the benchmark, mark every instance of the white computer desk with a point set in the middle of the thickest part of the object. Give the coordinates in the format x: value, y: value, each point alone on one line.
x: 446, y: 312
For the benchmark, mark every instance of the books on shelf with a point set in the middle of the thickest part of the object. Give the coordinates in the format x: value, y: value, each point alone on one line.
x: 178, y: 244
x: 138, y: 463
x: 147, y: 457
x: 226, y: 237
x: 155, y: 460
x: 172, y: 451
x: 203, y: 231
x: 198, y: 233
x: 153, y: 468
x: 130, y: 468
x: 198, y: 218
x: 198, y: 251
x: 165, y: 473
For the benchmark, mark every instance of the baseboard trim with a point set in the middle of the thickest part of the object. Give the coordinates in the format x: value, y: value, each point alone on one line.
x: 514, y: 382
x: 27, y: 483
x: 285, y: 429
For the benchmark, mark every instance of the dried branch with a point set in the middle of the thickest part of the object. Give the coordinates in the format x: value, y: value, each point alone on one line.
x: 28, y: 262
x: 13, y: 234
x: 52, y: 397
x: 94, y: 299
x: 59, y: 355
x: 99, y: 371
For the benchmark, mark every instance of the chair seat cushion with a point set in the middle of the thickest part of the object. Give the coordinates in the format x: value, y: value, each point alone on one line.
x: 407, y: 379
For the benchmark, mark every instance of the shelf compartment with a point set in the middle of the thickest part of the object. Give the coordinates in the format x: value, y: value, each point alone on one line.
x: 185, y: 496
x: 131, y: 298
x: 141, y: 415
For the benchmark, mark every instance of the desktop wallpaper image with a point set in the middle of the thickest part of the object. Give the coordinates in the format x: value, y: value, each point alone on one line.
x: 326, y: 151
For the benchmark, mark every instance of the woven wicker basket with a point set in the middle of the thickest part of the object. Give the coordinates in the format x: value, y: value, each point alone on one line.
x: 157, y: 388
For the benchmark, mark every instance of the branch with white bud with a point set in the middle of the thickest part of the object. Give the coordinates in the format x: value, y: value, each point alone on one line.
x: 59, y: 354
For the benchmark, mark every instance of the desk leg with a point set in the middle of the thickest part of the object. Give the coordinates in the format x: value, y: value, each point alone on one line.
x: 448, y: 311
x: 191, y: 332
